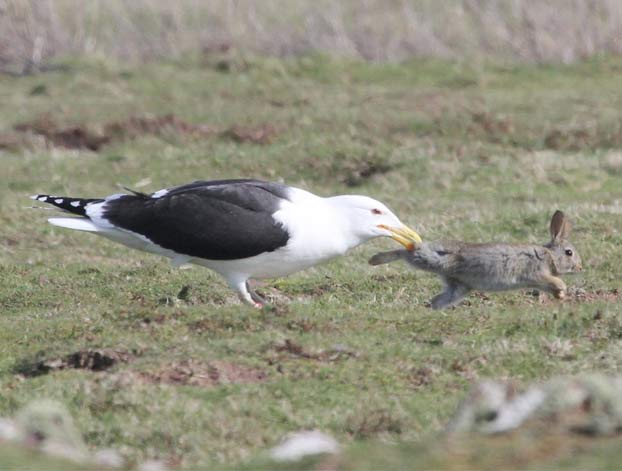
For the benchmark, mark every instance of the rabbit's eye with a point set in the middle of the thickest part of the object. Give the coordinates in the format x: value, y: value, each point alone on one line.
x: 569, y: 252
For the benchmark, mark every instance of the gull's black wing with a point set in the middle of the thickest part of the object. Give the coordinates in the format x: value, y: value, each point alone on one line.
x: 216, y: 220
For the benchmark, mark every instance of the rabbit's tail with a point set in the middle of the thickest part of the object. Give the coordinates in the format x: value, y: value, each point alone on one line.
x: 386, y: 257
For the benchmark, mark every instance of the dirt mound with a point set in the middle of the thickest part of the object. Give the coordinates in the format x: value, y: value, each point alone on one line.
x: 580, y: 295
x: 88, y: 359
x: 83, y: 137
x: 195, y: 373
x: 71, y: 137
x: 263, y: 134
x: 587, y: 138
x: 492, y: 123
x: 337, y: 352
x: 137, y: 126
x: 13, y: 142
x: 351, y: 170
x: 358, y: 171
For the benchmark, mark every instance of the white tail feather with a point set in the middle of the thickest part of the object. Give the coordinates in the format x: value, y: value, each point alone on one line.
x: 79, y: 224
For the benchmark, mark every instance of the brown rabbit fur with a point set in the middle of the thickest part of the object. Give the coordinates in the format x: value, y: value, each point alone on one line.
x: 495, y: 266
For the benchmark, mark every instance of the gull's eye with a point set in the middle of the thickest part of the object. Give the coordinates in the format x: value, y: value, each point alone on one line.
x: 569, y: 252
x: 376, y: 211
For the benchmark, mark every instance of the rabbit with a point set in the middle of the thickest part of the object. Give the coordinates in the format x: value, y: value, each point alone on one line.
x: 495, y: 266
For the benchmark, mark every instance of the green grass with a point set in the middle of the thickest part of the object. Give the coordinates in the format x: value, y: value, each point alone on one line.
x: 464, y: 153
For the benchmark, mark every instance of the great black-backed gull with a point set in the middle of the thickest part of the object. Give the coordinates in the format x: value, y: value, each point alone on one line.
x: 242, y: 229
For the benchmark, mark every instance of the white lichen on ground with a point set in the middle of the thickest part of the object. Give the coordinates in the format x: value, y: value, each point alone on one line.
x: 589, y: 404
x: 301, y: 444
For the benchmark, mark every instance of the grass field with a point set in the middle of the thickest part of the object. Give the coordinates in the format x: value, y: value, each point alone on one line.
x: 198, y: 379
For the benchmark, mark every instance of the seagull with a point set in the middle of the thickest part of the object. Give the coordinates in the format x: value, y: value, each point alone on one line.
x: 242, y: 229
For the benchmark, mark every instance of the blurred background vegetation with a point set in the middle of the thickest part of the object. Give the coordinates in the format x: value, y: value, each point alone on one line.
x: 565, y: 31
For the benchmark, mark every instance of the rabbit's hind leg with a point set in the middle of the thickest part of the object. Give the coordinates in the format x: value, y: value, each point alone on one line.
x: 453, y: 293
x: 555, y: 286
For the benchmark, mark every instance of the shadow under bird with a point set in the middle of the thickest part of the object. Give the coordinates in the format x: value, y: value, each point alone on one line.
x: 493, y: 267
x: 242, y: 229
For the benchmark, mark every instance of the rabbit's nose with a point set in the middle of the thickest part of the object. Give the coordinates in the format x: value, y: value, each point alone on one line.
x: 579, y: 267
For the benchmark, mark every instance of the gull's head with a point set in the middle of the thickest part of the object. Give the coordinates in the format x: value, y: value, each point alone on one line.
x: 369, y: 218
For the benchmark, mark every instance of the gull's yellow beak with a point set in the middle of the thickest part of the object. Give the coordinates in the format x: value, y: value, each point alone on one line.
x: 404, y: 235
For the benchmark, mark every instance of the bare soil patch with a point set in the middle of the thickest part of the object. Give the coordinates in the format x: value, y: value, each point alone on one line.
x: 584, y: 138
x: 492, y: 124
x: 580, y: 295
x: 70, y: 137
x: 356, y: 172
x: 85, y: 137
x: 263, y: 134
x: 419, y: 377
x: 13, y: 142
x: 137, y: 126
x: 196, y: 373
x: 350, y: 170
x: 88, y: 359
x: 293, y: 349
x: 367, y: 425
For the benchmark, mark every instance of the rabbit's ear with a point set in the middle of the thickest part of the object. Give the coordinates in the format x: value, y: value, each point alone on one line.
x: 386, y: 257
x: 560, y: 227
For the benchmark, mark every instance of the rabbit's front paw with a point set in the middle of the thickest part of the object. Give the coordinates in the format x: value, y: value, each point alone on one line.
x: 555, y: 286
